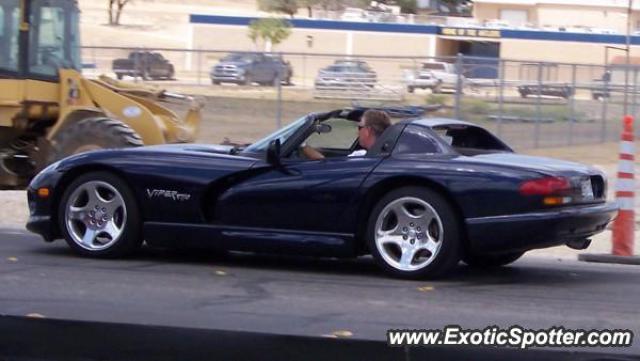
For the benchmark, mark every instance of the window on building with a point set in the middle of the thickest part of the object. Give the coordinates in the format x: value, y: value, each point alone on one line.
x: 514, y: 17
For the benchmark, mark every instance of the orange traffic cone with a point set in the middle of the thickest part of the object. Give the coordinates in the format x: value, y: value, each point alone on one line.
x: 624, y: 224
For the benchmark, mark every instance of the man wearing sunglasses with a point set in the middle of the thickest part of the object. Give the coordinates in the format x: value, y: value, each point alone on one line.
x: 370, y: 127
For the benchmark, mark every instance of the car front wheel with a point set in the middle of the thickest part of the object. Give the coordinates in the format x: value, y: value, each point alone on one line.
x: 413, y: 232
x: 98, y: 216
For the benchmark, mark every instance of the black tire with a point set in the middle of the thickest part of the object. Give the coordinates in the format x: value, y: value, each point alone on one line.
x: 491, y: 260
x: 449, y: 253
x: 119, y: 76
x: 523, y: 94
x: 92, y: 134
x: 247, y: 80
x: 410, y: 89
x: 129, y: 240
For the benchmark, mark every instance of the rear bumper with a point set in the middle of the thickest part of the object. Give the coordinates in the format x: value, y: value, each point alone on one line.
x: 528, y: 231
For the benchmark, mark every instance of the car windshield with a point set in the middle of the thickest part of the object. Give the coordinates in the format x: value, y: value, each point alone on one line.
x: 343, y: 69
x: 283, y: 134
x: 433, y: 66
x: 238, y: 57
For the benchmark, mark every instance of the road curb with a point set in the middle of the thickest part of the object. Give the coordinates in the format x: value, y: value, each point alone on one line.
x: 609, y: 258
x: 28, y: 338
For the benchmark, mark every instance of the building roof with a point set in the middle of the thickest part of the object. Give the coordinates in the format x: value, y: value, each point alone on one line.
x: 600, y: 3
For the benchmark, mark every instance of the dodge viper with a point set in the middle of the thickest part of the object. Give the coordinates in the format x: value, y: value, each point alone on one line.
x: 430, y: 193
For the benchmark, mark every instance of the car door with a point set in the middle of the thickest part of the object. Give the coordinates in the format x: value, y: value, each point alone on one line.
x: 304, y: 195
x: 260, y: 68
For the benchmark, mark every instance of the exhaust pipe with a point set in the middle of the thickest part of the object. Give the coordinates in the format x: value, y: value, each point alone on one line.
x: 579, y: 244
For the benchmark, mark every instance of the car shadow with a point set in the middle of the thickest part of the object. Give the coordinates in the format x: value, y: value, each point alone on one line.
x: 544, y: 272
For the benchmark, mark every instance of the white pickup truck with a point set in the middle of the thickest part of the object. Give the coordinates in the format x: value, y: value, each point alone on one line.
x: 433, y: 75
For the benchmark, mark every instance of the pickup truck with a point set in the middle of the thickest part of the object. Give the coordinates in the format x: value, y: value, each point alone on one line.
x: 433, y: 75
x: 248, y: 68
x: 144, y: 64
x: 346, y: 74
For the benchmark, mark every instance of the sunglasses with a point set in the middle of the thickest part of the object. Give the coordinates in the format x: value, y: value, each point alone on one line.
x: 362, y: 126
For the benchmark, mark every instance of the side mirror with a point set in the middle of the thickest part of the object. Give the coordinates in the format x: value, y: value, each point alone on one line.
x: 273, y: 152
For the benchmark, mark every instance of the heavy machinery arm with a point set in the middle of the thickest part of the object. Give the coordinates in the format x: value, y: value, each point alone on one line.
x: 48, y: 110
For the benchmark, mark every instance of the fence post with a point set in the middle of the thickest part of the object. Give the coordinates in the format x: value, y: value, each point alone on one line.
x: 458, y: 98
x: 634, y: 103
x: 536, y: 135
x: 501, y: 64
x: 136, y: 64
x: 198, y: 66
x: 572, y: 103
x: 279, y: 96
x: 606, y: 94
x: 304, y: 70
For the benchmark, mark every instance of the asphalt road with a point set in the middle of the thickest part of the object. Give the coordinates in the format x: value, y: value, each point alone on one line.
x: 303, y: 296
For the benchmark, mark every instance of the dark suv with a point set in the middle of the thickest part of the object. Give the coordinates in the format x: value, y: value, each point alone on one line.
x: 248, y: 68
x: 144, y: 64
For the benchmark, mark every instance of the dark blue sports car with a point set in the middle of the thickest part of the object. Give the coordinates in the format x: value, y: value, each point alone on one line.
x: 431, y: 192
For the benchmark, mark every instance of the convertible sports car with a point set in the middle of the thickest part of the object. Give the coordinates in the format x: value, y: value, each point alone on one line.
x: 431, y: 192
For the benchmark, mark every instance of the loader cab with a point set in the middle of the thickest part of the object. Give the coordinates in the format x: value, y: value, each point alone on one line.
x: 37, y: 38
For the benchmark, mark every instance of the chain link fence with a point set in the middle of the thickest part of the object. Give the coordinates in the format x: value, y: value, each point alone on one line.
x: 528, y: 104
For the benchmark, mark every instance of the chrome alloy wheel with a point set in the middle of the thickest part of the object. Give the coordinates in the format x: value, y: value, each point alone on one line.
x: 95, y: 215
x: 408, y: 234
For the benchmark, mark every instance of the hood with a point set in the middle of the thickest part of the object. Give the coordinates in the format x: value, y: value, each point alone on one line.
x: 239, y: 64
x: 190, y: 147
x: 547, y: 166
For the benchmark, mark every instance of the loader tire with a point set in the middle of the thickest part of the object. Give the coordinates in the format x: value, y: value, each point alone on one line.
x: 92, y: 134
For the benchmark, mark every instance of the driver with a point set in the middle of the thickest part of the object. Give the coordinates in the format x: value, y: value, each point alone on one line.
x: 370, y: 127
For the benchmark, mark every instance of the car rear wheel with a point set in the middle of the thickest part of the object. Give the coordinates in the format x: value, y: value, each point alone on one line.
x: 491, y: 260
x: 413, y: 232
x: 98, y: 216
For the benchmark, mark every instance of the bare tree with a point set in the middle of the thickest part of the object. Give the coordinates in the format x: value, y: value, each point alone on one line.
x: 115, y: 10
x: 289, y: 7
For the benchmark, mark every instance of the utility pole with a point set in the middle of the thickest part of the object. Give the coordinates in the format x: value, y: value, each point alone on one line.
x: 627, y: 59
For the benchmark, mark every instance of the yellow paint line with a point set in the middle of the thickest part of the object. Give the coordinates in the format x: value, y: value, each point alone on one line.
x: 426, y: 288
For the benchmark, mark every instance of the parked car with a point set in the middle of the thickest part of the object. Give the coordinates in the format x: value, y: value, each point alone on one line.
x: 346, y: 73
x: 144, y: 64
x: 555, y: 90
x: 422, y: 79
x: 445, y: 72
x: 429, y: 193
x: 248, y: 68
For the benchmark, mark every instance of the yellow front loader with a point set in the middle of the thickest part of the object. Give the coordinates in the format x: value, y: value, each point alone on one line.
x: 48, y: 110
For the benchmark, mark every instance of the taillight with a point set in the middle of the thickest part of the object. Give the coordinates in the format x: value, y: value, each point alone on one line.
x: 545, y: 186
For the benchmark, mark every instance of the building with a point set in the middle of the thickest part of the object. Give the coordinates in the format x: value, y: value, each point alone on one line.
x: 351, y: 39
x: 600, y: 16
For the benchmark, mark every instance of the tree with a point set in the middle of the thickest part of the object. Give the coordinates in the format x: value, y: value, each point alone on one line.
x: 455, y: 7
x: 271, y: 31
x: 115, y: 10
x: 289, y: 7
x: 309, y: 4
x: 407, y: 6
